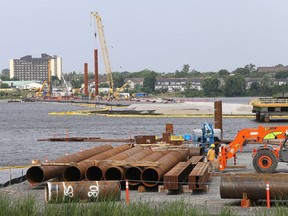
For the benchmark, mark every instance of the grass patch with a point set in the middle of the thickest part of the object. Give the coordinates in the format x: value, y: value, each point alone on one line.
x: 29, y: 207
x: 23, y: 207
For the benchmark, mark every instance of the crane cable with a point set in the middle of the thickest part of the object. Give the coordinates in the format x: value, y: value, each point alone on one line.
x: 94, y: 30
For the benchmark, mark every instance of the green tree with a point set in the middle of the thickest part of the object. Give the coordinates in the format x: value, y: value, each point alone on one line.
x: 184, y: 72
x: 211, y: 87
x: 235, y: 86
x: 250, y: 67
x: 149, y: 83
x: 223, y: 73
x: 5, y: 75
x: 281, y: 75
x: 141, y: 74
x: 4, y: 85
x: 242, y: 72
x: 254, y: 89
x: 195, y: 73
x: 280, y: 89
x: 266, y: 86
x: 6, y: 72
x: 119, y: 79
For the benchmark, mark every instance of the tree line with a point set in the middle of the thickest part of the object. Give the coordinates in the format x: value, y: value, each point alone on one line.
x: 233, y: 84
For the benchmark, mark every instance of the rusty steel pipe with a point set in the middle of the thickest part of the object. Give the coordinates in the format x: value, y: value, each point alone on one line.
x: 233, y: 186
x: 88, y: 191
x: 86, y: 79
x: 77, y: 172
x: 38, y: 174
x: 117, y: 173
x: 140, y: 155
x: 96, y: 78
x: 133, y: 174
x: 152, y: 175
x: 96, y: 172
x: 114, y: 173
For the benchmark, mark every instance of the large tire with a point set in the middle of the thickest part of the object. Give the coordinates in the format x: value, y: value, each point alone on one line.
x: 265, y: 161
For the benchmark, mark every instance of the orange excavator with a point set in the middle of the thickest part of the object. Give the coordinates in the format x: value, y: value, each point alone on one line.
x: 266, y: 157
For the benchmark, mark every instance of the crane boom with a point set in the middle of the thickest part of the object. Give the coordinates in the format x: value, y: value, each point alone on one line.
x: 68, y: 89
x: 104, y: 51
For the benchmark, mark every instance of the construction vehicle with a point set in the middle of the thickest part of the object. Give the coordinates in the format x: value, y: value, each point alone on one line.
x: 266, y: 157
x: 68, y: 89
x: 206, y: 136
x: 118, y: 91
x: 40, y: 91
x: 104, y: 54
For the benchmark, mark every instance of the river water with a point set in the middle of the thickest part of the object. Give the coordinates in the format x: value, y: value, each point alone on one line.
x: 22, y: 124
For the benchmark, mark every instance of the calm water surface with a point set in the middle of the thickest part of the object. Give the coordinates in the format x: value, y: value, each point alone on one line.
x: 23, y: 123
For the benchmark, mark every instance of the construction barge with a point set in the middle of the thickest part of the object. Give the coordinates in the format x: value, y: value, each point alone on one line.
x: 265, y: 108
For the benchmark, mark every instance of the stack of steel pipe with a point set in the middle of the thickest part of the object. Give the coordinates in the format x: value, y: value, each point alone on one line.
x: 88, y: 191
x: 174, y: 178
x: 198, y: 177
x: 254, y: 185
x: 77, y: 172
x: 151, y: 176
x: 96, y: 172
x: 38, y: 174
x: 133, y: 173
x: 178, y: 174
x: 117, y: 172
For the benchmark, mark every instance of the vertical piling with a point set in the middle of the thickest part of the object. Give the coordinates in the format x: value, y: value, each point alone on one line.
x: 169, y: 128
x: 218, y: 116
x: 96, y: 72
x: 86, y: 79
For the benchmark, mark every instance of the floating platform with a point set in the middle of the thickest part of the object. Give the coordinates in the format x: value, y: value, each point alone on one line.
x: 265, y: 108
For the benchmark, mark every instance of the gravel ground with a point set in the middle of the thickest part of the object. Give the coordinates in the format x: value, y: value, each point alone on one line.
x: 210, y: 200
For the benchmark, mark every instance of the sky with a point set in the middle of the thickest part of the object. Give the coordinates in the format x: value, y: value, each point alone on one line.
x: 159, y: 35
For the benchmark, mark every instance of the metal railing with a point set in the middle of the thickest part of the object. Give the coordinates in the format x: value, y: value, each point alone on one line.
x: 269, y: 101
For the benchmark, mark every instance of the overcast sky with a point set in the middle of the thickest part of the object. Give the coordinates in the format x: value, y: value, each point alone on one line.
x: 160, y: 35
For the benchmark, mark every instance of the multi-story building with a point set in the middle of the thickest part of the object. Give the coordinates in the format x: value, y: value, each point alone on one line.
x: 178, y: 84
x: 28, y: 68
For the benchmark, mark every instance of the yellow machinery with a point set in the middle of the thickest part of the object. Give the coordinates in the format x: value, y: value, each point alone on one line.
x: 39, y: 93
x: 47, y: 82
x: 49, y: 79
x: 104, y: 53
x: 119, y: 90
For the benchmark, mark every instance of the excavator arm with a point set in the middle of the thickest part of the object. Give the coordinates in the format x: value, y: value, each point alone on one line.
x: 259, y: 134
x: 40, y: 91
